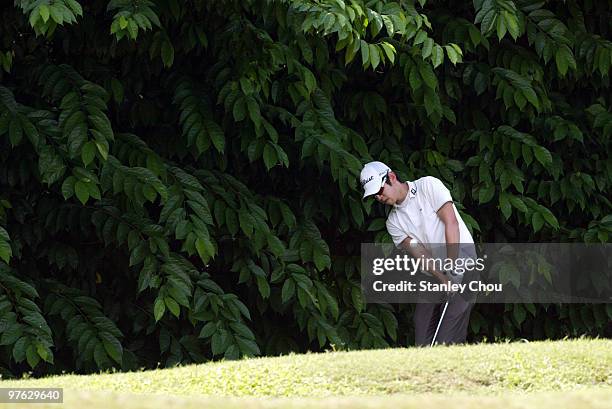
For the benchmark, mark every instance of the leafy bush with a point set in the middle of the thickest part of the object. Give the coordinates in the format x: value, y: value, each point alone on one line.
x: 178, y: 180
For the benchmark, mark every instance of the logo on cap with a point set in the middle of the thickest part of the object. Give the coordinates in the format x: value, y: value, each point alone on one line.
x: 364, y: 181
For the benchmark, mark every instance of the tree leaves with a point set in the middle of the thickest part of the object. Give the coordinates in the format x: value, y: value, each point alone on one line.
x: 365, y: 53
x: 245, y: 167
x: 5, y: 248
x: 505, y: 206
x: 167, y: 53
x: 112, y: 346
x: 486, y: 193
x: 389, y: 51
x: 288, y: 290
x: 159, y: 308
x: 45, y: 17
x: 564, y: 59
x: 437, y: 56
x: 542, y: 155
x: 88, y: 153
x: 128, y: 21
x: 454, y: 53
x: 51, y: 165
x: 374, y: 56
x: 82, y: 191
x: 197, y: 121
x: 269, y: 156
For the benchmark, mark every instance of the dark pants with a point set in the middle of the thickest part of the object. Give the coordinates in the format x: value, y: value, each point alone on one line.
x: 453, y: 329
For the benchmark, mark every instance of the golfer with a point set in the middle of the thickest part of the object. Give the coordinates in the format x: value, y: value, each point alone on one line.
x: 423, y: 215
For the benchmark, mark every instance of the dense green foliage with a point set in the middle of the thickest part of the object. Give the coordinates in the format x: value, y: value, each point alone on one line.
x: 178, y: 180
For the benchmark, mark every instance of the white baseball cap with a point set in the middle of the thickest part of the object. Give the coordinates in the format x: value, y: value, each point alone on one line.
x: 372, y: 177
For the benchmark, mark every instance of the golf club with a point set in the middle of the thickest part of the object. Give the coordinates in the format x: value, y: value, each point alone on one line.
x: 433, y: 341
x: 414, y: 243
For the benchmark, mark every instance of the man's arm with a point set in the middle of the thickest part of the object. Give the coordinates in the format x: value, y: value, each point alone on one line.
x: 451, y: 229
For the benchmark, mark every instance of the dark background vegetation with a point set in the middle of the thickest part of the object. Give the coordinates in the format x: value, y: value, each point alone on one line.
x: 178, y: 179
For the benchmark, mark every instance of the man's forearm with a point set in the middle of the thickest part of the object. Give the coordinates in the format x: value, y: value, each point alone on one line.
x: 451, y: 232
x: 446, y: 213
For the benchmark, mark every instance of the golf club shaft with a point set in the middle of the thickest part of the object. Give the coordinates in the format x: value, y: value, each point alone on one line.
x: 433, y: 341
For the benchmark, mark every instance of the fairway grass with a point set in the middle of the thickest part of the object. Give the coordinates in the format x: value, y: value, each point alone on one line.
x: 573, y: 373
x: 599, y: 398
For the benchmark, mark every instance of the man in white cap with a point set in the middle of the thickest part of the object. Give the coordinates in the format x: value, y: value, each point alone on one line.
x: 422, y: 215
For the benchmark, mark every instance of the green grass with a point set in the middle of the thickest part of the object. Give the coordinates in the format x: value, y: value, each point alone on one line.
x: 538, y: 374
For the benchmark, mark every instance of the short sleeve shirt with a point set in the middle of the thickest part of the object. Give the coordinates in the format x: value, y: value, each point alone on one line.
x: 416, y: 217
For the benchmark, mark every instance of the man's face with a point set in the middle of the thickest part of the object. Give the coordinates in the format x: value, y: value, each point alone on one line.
x: 390, y: 193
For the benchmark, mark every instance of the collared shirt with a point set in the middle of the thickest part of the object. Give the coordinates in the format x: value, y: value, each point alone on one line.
x: 416, y: 217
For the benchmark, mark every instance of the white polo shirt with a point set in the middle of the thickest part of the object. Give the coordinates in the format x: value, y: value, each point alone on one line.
x: 416, y: 216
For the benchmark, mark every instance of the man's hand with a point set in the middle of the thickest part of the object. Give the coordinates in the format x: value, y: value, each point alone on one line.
x: 419, y: 251
x: 450, y: 293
